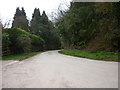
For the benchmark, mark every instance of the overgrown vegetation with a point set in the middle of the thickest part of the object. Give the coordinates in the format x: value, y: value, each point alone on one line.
x: 87, y: 26
x: 93, y: 26
x: 40, y: 25
x: 25, y: 37
x: 20, y: 41
x: 107, y: 56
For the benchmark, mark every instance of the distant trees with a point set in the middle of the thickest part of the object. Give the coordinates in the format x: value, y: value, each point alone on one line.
x: 20, y: 20
x: 43, y: 27
x: 25, y: 37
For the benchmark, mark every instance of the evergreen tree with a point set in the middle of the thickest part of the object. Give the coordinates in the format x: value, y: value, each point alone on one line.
x: 48, y: 33
x: 44, y: 18
x: 20, y: 19
x: 41, y: 26
x: 23, y: 11
x: 36, y: 22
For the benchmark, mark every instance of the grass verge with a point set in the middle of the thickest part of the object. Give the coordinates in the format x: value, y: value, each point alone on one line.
x: 106, y: 56
x: 19, y: 56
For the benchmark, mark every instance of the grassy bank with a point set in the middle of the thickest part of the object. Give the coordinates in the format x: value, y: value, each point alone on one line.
x: 19, y: 56
x: 106, y: 56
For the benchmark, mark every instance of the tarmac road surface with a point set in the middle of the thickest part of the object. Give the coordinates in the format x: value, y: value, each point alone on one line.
x: 53, y: 70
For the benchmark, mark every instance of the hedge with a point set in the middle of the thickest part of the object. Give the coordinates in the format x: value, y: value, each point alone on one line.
x: 15, y: 33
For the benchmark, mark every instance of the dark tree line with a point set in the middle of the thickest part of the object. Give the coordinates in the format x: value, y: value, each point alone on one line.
x: 28, y: 36
x: 43, y: 27
x: 40, y: 25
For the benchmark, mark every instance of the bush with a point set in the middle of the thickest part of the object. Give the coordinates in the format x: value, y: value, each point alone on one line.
x: 16, y: 32
x: 18, y: 35
x: 37, y: 43
x: 24, y: 42
x: 36, y: 40
x: 5, y: 44
x: 114, y: 37
x: 5, y: 39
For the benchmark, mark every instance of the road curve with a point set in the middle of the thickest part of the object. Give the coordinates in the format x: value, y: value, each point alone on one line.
x: 53, y: 70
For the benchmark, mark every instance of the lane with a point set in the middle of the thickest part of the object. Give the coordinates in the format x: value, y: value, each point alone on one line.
x: 53, y: 70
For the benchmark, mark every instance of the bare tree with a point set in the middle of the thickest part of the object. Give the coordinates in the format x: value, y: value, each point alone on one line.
x: 6, y: 24
x: 60, y: 11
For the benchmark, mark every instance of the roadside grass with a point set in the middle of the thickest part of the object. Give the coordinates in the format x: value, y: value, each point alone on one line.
x: 106, y: 56
x: 19, y: 56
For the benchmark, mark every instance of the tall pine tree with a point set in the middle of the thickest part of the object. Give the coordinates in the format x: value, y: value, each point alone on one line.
x: 44, y: 18
x: 48, y: 33
x: 20, y: 19
x: 35, y: 22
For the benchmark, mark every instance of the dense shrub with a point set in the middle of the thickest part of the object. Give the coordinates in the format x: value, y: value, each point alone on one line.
x: 36, y: 40
x: 24, y: 42
x: 85, y: 26
x: 16, y: 36
x: 16, y: 32
x: 5, y: 39
x: 5, y: 44
x: 114, y: 37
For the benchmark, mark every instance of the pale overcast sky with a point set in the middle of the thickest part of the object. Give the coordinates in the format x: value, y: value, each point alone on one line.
x: 8, y: 7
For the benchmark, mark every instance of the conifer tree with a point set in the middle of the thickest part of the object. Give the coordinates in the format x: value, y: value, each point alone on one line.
x: 20, y: 19
x: 36, y: 22
x: 44, y: 18
x: 41, y: 26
